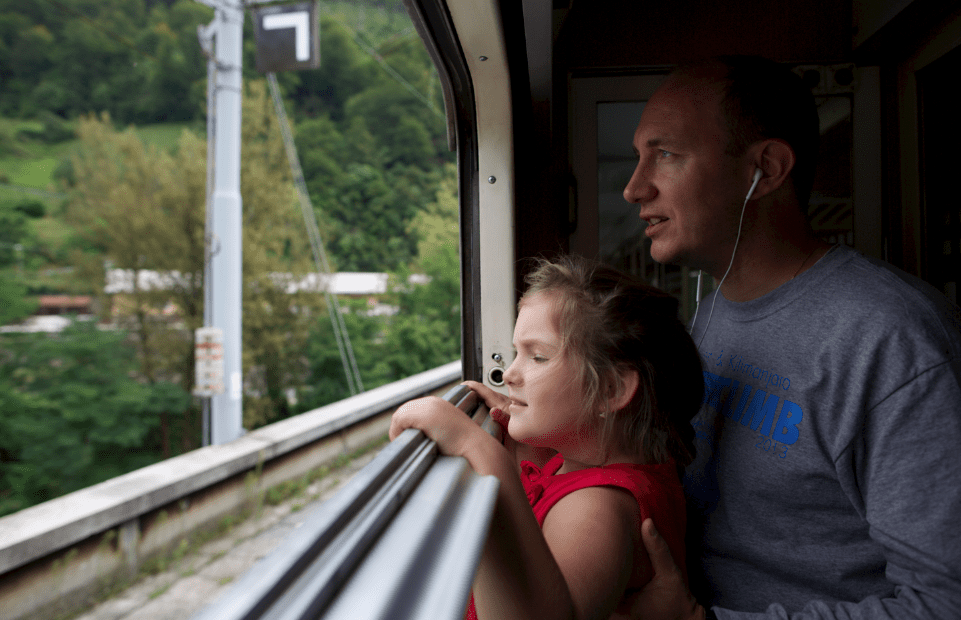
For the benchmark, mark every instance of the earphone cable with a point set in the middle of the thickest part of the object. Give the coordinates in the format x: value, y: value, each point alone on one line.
x: 717, y: 291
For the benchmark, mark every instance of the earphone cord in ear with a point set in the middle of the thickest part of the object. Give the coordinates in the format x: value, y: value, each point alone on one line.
x: 740, y: 224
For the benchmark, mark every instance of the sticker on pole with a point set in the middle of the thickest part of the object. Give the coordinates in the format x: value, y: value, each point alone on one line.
x: 287, y: 36
x: 209, y: 361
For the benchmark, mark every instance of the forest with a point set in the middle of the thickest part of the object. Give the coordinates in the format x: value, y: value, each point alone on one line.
x: 103, y: 169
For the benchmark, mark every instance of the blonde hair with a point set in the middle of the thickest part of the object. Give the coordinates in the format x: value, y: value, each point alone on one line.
x: 612, y: 323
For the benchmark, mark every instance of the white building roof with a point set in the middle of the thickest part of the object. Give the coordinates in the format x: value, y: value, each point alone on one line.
x: 342, y: 283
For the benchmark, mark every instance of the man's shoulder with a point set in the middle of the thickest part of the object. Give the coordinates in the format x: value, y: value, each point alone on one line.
x: 852, y: 276
x: 868, y: 292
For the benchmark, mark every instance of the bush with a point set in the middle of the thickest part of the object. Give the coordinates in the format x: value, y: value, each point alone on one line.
x: 53, y: 130
x: 31, y: 208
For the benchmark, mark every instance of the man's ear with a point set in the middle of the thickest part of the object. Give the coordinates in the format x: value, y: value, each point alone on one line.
x: 624, y: 390
x: 775, y: 159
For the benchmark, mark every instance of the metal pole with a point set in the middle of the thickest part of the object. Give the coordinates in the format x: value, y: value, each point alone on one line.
x: 225, y: 265
x: 206, y: 36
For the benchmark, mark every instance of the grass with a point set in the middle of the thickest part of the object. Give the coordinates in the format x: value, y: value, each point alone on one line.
x: 31, y: 164
x: 295, y: 488
x: 36, y: 172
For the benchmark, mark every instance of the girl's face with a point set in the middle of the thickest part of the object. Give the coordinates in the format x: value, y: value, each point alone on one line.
x: 544, y: 386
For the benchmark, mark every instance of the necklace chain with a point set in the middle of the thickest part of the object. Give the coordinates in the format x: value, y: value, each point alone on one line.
x: 803, y: 263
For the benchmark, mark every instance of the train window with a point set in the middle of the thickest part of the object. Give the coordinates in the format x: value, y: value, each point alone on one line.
x: 606, y: 109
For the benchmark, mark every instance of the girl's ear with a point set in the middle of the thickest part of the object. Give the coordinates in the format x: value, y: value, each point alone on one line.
x: 624, y: 390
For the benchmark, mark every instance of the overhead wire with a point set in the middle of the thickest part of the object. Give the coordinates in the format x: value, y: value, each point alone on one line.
x: 355, y: 384
x: 393, y: 73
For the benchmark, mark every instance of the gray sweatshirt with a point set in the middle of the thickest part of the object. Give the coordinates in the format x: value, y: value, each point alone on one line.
x: 828, y: 477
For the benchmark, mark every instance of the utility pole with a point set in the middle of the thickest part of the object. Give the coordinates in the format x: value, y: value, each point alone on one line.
x: 223, y: 285
x: 222, y: 41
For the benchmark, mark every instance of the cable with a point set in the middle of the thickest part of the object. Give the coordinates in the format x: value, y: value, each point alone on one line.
x: 206, y: 36
x: 317, y: 245
x: 393, y: 73
x: 697, y: 298
x: 717, y: 291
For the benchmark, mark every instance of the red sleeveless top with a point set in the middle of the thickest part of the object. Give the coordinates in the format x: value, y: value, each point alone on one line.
x: 656, y: 488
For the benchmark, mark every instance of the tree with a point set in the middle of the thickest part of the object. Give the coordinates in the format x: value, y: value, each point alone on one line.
x: 143, y: 209
x: 345, y: 70
x: 72, y: 414
x: 370, y: 135
x: 139, y: 61
x: 172, y: 79
x: 326, y: 382
x: 426, y: 331
x: 423, y: 333
x: 368, y: 215
x: 14, y: 304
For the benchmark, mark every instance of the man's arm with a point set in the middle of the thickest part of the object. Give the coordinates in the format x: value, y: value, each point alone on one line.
x: 667, y: 596
x: 903, y: 477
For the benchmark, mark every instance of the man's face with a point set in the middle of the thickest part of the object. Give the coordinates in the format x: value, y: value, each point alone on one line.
x: 689, y: 188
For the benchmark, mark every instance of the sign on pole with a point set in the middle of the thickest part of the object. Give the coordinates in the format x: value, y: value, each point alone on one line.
x: 209, y: 361
x: 287, y: 37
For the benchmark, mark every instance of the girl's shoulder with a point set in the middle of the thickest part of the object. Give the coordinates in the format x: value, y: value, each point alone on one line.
x: 601, y: 505
x: 594, y: 535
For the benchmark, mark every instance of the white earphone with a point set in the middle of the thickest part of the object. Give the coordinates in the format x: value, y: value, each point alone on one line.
x: 697, y: 295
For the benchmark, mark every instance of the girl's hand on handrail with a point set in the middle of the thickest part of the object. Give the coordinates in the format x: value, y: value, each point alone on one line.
x: 455, y: 433
x: 493, y: 400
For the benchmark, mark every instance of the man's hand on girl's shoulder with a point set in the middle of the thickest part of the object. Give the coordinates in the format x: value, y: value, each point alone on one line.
x: 666, y: 596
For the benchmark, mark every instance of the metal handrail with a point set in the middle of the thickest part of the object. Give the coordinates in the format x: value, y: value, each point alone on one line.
x: 401, y: 540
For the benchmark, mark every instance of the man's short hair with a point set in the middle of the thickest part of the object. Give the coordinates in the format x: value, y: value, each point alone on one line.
x: 762, y: 99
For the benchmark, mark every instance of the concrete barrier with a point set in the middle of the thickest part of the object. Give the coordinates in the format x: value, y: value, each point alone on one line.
x: 57, y: 556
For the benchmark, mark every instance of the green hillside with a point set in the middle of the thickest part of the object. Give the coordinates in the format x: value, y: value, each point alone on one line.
x: 102, y: 164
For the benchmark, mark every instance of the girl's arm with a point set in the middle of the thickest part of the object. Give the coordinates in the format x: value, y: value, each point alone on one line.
x: 576, y: 568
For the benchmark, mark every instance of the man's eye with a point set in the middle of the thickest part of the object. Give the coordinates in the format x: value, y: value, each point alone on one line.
x: 665, y: 154
x: 539, y: 358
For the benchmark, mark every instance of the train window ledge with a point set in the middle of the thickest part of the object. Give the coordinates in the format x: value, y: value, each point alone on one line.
x: 401, y: 540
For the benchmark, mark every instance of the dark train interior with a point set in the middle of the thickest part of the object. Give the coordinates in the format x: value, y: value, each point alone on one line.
x: 575, y: 75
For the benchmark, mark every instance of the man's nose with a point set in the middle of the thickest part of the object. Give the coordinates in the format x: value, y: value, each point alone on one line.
x: 639, y: 189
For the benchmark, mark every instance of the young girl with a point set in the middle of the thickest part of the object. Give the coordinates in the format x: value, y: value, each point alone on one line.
x: 604, y: 386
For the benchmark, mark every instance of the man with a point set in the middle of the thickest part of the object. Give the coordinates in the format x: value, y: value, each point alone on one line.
x: 827, y: 483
